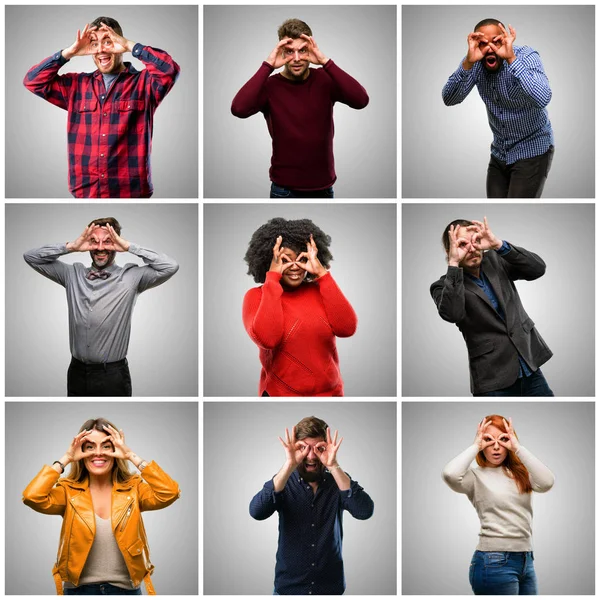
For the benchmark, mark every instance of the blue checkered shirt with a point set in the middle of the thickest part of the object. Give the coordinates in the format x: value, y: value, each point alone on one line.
x: 515, y: 97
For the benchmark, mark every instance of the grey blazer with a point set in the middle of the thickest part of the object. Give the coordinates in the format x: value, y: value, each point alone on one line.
x: 494, y: 344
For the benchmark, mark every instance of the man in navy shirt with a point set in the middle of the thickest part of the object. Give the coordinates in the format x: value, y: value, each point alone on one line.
x: 512, y: 83
x: 310, y: 493
x: 479, y: 296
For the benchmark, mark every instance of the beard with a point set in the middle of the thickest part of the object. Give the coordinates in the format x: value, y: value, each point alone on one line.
x: 309, y: 476
x: 297, y: 75
x: 496, y: 65
x: 100, y: 264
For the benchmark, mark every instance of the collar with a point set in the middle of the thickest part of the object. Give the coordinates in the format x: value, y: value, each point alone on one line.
x: 129, y: 68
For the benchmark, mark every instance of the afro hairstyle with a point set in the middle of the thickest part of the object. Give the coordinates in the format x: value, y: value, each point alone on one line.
x: 295, y: 233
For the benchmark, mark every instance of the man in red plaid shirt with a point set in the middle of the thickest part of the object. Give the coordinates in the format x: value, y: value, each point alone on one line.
x: 110, y: 111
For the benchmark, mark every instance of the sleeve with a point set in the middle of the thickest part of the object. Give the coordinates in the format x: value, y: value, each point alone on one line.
x: 262, y: 313
x: 162, y: 70
x: 159, y: 267
x: 541, y: 477
x: 44, y: 81
x: 528, y: 71
x: 266, y: 502
x: 346, y: 89
x: 157, y: 490
x: 459, y: 85
x: 43, y: 495
x: 341, y: 315
x: 356, y: 501
x: 522, y: 264
x: 252, y: 98
x: 457, y: 473
x: 44, y: 260
x: 448, y: 293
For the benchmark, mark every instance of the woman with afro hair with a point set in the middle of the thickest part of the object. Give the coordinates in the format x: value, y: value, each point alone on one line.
x: 295, y: 316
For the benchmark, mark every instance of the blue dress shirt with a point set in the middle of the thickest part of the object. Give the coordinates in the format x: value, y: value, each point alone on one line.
x: 515, y: 97
x: 484, y: 283
x: 309, y: 552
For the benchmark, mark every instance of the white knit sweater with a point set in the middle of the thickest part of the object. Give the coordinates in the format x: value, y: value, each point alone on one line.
x: 504, y: 513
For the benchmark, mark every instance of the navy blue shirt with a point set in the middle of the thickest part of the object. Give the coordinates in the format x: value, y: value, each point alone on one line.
x: 309, y: 551
x: 484, y: 283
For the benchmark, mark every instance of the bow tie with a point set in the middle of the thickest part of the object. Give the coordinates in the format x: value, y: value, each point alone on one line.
x: 98, y: 275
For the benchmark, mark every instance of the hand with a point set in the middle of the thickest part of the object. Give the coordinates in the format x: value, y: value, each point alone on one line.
x: 280, y: 261
x: 483, y: 238
x: 474, y: 53
x: 482, y: 439
x: 82, y: 46
x: 277, y: 58
x: 82, y: 243
x: 313, y: 264
x: 120, y: 245
x: 459, y: 247
x: 75, y: 452
x: 314, y: 55
x: 119, y: 43
x: 502, y: 45
x: 295, y: 452
x: 117, y: 439
x: 328, y: 454
x: 509, y: 439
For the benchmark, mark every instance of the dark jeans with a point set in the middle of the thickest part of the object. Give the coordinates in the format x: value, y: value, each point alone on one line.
x: 503, y: 574
x: 281, y: 192
x: 109, y: 379
x: 534, y: 385
x: 95, y: 589
x: 523, y: 179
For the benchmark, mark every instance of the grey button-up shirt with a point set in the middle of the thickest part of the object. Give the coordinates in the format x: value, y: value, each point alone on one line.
x: 100, y: 309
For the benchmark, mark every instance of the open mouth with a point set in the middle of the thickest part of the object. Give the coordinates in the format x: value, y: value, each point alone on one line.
x: 310, y: 466
x: 297, y: 67
x: 104, y: 60
x: 295, y: 276
x: 491, y: 61
x: 99, y: 462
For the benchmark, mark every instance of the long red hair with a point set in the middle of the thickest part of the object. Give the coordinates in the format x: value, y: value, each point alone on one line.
x: 512, y: 464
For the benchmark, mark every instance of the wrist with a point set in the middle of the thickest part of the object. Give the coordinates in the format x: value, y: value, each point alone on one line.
x: 498, y: 244
x: 130, y: 46
x: 467, y: 65
x: 511, y: 58
x: 70, y: 247
x: 453, y: 263
x: 67, y: 54
x: 323, y: 61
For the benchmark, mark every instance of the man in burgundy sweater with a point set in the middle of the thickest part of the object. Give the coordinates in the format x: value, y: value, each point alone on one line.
x: 297, y: 104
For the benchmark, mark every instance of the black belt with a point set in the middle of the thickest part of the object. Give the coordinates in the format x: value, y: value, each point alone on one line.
x: 97, y: 366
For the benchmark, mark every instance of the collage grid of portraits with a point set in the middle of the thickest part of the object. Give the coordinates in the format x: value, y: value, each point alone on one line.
x: 408, y: 363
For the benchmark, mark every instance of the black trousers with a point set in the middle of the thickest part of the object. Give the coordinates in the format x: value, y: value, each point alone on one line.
x: 107, y: 379
x: 523, y: 179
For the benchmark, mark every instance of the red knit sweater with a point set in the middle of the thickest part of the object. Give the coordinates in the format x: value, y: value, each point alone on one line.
x: 296, y: 333
x: 299, y: 116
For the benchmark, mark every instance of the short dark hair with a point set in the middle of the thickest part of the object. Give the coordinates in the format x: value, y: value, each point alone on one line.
x: 107, y: 221
x: 456, y: 223
x: 293, y: 28
x: 311, y: 427
x: 295, y: 234
x: 112, y: 23
x: 488, y: 22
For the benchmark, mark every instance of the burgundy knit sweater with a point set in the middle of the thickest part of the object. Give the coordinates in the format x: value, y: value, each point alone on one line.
x: 295, y: 331
x: 299, y: 116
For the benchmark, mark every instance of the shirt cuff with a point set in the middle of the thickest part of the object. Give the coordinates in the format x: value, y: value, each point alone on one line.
x: 59, y: 58
x: 133, y: 248
x: 269, y: 66
x: 273, y: 277
x: 517, y: 68
x: 137, y: 50
x: 504, y: 249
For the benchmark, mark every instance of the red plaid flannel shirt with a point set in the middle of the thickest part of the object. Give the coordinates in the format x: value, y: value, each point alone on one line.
x: 109, y: 133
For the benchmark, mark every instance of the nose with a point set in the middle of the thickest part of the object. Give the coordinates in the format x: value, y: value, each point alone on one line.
x: 311, y: 453
x: 296, y: 55
x: 496, y: 445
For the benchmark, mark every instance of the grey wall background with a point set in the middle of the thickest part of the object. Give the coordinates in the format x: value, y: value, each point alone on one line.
x: 364, y: 266
x: 245, y: 435
x: 561, y: 303
x: 440, y: 527
x: 163, y: 349
x: 36, y: 131
x: 166, y: 432
x: 360, y: 39
x: 446, y: 150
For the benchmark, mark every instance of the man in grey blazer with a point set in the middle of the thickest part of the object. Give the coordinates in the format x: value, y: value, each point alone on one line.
x: 479, y: 296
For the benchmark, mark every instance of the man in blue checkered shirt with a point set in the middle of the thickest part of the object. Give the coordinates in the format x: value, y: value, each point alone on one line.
x: 512, y: 83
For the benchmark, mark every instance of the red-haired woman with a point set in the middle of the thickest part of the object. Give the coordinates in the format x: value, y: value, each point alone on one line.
x: 500, y: 490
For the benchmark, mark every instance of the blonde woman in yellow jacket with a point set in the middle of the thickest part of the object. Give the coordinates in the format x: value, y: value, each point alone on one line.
x: 103, y: 547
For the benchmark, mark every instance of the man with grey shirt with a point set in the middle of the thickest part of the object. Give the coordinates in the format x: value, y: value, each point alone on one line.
x: 101, y: 300
x: 478, y: 294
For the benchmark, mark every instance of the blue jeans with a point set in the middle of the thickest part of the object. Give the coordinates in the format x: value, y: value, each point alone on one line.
x: 534, y: 385
x: 96, y: 589
x: 503, y: 574
x: 281, y: 192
